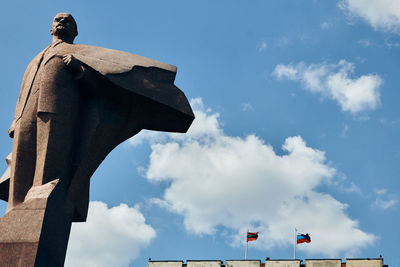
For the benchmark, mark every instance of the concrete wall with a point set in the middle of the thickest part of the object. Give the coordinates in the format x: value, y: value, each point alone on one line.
x: 324, y: 263
x: 165, y: 263
x: 203, y: 263
x: 364, y: 262
x: 282, y: 263
x: 238, y: 263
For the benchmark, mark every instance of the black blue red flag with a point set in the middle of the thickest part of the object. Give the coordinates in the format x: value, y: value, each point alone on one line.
x: 303, y: 238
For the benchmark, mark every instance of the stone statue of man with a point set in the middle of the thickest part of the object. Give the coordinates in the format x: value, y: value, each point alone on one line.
x: 78, y: 102
x: 47, y: 113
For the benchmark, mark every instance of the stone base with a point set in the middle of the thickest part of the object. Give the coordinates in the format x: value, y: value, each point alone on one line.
x: 36, y: 232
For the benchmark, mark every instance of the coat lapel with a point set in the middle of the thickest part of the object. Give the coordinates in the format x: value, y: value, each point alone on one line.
x: 27, y: 82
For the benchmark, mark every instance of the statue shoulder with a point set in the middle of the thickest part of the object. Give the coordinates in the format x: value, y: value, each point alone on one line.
x: 33, y: 63
x: 35, y: 60
x: 110, y: 61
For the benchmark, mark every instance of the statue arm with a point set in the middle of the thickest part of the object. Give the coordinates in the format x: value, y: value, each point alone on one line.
x: 74, y: 66
x: 83, y: 73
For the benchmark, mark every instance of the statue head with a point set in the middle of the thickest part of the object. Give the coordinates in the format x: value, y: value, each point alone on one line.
x: 64, y: 27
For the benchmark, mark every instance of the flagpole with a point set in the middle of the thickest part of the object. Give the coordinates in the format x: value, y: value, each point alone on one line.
x: 247, y: 246
x: 295, y: 243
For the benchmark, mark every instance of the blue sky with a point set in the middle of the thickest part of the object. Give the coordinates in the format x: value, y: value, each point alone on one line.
x: 297, y: 118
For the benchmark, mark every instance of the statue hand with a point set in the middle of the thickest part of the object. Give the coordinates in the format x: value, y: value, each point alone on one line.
x: 72, y: 64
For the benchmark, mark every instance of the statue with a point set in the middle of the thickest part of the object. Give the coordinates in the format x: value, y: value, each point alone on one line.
x: 76, y: 104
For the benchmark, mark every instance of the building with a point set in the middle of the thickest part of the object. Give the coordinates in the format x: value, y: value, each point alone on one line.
x: 374, y: 262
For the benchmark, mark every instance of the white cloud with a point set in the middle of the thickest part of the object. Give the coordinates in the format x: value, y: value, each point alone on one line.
x: 380, y: 192
x: 206, y: 126
x: 366, y: 43
x: 110, y: 237
x: 146, y: 135
x: 335, y: 81
x: 247, y: 107
x: 345, y: 130
x: 392, y: 42
x: 325, y: 25
x: 351, y: 188
x: 343, y: 185
x: 283, y: 41
x: 262, y: 46
x: 380, y: 14
x: 239, y: 183
x: 384, y: 200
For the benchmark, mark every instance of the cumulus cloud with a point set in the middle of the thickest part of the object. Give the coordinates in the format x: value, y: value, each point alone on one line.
x: 335, y: 81
x: 380, y: 14
x: 110, y: 237
x: 217, y: 180
x: 206, y: 127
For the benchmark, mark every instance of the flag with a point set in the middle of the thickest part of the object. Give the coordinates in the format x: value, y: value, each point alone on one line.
x: 252, y: 236
x: 303, y: 238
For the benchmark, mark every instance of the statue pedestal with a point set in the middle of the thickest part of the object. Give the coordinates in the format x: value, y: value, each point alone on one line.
x: 36, y: 232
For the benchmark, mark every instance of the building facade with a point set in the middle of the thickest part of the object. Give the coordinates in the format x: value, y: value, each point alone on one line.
x: 376, y: 262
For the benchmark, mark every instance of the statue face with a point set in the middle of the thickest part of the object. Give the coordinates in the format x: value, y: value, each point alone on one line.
x: 64, y: 24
